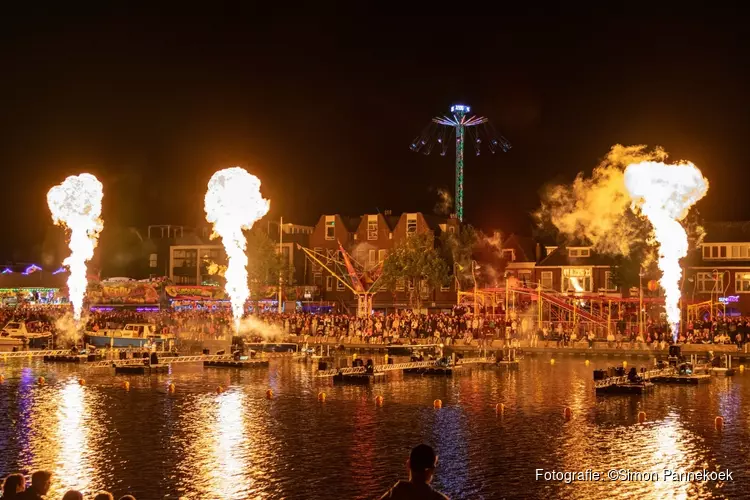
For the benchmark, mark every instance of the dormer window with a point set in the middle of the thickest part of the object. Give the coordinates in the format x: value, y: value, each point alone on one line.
x: 579, y: 252
x: 330, y: 227
x: 411, y: 224
x: 509, y: 254
x: 372, y: 227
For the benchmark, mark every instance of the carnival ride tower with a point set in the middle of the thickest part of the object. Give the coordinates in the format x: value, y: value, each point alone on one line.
x: 461, y: 122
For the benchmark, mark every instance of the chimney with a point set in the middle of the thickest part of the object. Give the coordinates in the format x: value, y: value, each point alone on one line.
x: 387, y: 212
x: 538, y: 252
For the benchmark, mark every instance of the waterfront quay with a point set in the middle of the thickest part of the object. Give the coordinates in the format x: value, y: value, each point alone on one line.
x: 582, y: 348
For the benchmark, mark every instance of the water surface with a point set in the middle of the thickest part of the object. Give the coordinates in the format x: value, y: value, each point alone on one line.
x: 196, y: 443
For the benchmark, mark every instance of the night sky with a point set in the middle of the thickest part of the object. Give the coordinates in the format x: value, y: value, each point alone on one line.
x: 323, y: 110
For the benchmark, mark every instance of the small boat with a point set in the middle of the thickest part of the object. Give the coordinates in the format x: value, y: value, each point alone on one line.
x: 27, y: 333
x: 133, y: 335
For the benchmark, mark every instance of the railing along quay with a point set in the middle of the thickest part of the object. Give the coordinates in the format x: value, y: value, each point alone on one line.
x: 623, y: 379
x: 162, y: 361
x: 376, y: 368
x: 36, y: 354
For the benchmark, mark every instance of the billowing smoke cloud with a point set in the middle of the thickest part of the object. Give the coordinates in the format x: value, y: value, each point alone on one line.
x: 490, y: 247
x: 444, y: 205
x: 596, y: 208
x: 250, y: 325
x: 66, y: 328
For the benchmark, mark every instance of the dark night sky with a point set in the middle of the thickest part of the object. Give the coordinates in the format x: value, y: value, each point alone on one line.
x: 324, y: 110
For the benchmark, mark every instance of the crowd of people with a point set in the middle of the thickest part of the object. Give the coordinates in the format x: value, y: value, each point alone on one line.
x: 393, y: 327
x: 421, y: 464
x: 15, y: 488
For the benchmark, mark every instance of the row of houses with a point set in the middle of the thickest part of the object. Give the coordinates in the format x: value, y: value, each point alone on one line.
x: 718, y: 269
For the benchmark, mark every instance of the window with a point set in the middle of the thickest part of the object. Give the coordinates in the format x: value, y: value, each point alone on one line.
x: 411, y: 284
x: 315, y: 266
x: 609, y: 283
x: 445, y: 288
x: 318, y: 280
x: 400, y: 285
x: 339, y: 285
x: 152, y: 259
x: 382, y: 253
x: 735, y: 251
x: 372, y: 227
x: 185, y: 258
x: 451, y: 229
x: 576, y: 279
x: 411, y: 224
x: 360, y: 255
x: 710, y: 283
x: 373, y: 256
x: 742, y: 282
x: 329, y: 283
x: 525, y: 278
x: 547, y: 279
x: 509, y: 254
x: 331, y: 255
x: 579, y: 252
x: 330, y: 227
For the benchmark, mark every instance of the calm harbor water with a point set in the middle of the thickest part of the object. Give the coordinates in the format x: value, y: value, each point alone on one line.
x: 236, y: 445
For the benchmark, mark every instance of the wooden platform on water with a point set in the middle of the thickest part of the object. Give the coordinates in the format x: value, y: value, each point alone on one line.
x: 359, y: 378
x: 682, y: 379
x: 433, y: 370
x: 141, y: 369
x: 245, y: 363
x: 627, y: 388
x: 70, y: 358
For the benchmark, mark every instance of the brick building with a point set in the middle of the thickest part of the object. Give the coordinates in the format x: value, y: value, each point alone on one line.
x: 368, y: 239
x: 521, y: 254
x: 720, y: 269
x: 570, y: 269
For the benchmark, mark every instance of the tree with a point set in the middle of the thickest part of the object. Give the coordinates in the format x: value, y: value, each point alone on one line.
x: 458, y: 249
x: 414, y: 261
x: 264, y: 264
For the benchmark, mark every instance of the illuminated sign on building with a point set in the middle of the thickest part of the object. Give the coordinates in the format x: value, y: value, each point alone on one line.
x: 729, y: 299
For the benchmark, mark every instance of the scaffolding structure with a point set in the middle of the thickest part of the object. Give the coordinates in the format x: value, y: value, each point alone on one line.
x: 546, y: 308
x: 359, y: 278
x: 714, y: 309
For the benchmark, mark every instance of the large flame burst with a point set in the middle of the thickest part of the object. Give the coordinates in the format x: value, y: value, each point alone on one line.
x: 233, y: 203
x: 664, y: 194
x: 77, y: 205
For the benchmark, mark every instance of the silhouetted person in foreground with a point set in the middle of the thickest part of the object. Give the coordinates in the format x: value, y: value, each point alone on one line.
x: 127, y: 497
x: 104, y: 495
x: 13, y: 486
x: 40, y: 483
x: 73, y: 495
x: 421, y: 466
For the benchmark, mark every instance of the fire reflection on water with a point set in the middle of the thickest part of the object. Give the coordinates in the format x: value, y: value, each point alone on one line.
x: 73, y: 437
x: 221, y: 446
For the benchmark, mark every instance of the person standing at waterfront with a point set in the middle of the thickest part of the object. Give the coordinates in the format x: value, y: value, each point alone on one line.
x: 13, y: 486
x: 421, y: 465
x: 41, y: 481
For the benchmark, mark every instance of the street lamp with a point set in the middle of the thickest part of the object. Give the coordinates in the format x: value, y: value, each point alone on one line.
x: 474, y: 267
x: 641, y: 274
x: 281, y: 252
x: 507, y: 291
